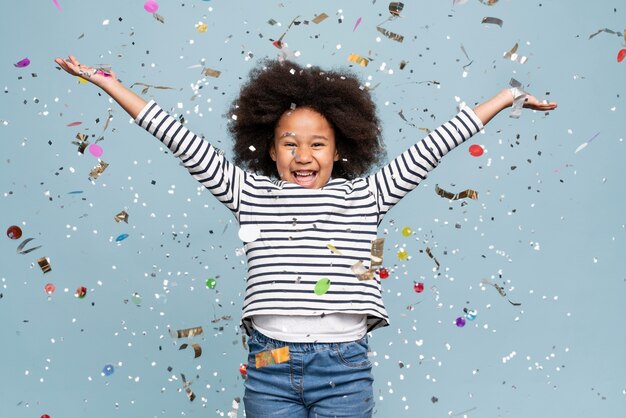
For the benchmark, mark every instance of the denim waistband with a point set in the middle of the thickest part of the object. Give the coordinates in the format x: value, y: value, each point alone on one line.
x: 301, y: 347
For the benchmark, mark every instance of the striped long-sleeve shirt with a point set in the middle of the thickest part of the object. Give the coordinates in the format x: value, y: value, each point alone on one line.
x: 296, y: 224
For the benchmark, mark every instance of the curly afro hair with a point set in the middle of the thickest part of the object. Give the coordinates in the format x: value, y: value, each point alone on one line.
x: 274, y: 87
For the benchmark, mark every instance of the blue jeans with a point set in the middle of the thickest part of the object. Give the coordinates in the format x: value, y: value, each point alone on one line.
x: 320, y: 380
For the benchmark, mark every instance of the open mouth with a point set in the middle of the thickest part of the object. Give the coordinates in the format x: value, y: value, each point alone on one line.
x: 304, y: 178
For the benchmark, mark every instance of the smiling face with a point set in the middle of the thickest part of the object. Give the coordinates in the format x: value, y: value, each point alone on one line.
x: 304, y: 148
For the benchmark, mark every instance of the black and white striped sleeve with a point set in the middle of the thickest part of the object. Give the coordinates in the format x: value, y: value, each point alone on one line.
x: 406, y: 171
x: 203, y: 161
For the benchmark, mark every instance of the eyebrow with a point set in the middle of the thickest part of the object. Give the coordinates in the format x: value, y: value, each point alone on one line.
x: 293, y: 134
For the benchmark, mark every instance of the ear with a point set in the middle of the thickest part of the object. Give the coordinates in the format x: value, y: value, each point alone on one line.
x: 336, y: 155
x: 273, y: 152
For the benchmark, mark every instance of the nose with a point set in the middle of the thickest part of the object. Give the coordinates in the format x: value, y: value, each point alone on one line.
x: 303, y: 155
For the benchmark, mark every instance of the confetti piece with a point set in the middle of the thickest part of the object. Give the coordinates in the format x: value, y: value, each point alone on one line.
x: 460, y: 322
x: 621, y: 55
x: 500, y: 290
x: 407, y: 231
x: 187, y: 332
x: 519, y: 97
x: 270, y: 357
x: 584, y: 144
x: 395, y: 7
x: 361, y: 272
x: 197, y: 349
x: 201, y: 27
x: 158, y: 17
x: 81, y: 142
x: 74, y: 124
x: 95, y: 150
x: 430, y: 254
x: 319, y: 18
x: 358, y: 22
x: 136, y: 298
x: 49, y: 288
x: 358, y: 60
x: 58, y: 6
x: 98, y: 170
x: 391, y: 35
x: 402, y: 254
x: 151, y: 6
x: 513, y: 56
x: 493, y: 21
x: 470, y: 314
x: 243, y: 369
x: 44, y: 264
x: 21, y: 250
x: 22, y: 63
x: 418, y: 287
x: 14, y: 232
x: 211, y: 283
x: 383, y: 273
x: 468, y: 193
x: 322, y: 286
x: 249, y: 233
x: 476, y: 150
x: 121, y: 217
x: 606, y: 30
x: 211, y: 72
x: 108, y: 370
x: 188, y: 390
x: 334, y: 250
x: 121, y: 237
x: 147, y: 87
x: 489, y: 2
x: 80, y: 292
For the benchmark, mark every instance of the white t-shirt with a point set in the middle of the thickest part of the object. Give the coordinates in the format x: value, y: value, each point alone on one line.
x: 331, y: 328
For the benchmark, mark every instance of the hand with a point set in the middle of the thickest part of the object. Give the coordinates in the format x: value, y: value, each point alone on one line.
x: 97, y: 76
x: 531, y: 102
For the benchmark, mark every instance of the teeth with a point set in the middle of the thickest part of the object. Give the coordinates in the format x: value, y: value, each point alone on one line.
x: 303, y: 173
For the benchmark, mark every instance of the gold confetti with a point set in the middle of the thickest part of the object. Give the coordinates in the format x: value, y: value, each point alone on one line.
x: 187, y: 332
x: 332, y: 248
x: 358, y: 60
x: 361, y: 272
x: 319, y: 18
x: 97, y: 170
x: 121, y: 217
x: 81, y: 142
x: 44, y: 263
x: 276, y: 356
x: 468, y: 193
x: 211, y: 72
x: 201, y: 27
x: 395, y: 7
x: 197, y: 349
x: 391, y: 35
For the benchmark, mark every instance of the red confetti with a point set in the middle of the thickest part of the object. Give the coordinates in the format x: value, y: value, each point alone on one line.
x: 49, y: 288
x: 74, y: 124
x: 383, y: 273
x: 81, y: 292
x: 278, y: 44
x: 476, y: 150
x: 45, y: 416
x: 418, y: 287
x: 243, y: 369
x: 621, y: 55
x: 14, y: 232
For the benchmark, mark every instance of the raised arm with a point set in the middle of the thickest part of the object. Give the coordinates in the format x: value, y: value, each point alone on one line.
x: 106, y: 80
x: 487, y: 110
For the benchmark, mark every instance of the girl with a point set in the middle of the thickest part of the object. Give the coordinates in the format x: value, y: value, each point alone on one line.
x: 304, y: 141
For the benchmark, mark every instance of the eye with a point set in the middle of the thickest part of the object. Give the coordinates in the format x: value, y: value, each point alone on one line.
x: 318, y: 145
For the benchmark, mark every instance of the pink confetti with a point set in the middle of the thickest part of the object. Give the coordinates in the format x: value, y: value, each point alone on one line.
x: 23, y: 63
x: 358, y: 22
x: 56, y: 3
x: 95, y: 150
x: 74, y: 124
x: 151, y: 6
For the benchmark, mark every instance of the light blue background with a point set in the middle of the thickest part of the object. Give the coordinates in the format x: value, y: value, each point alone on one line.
x: 553, y: 227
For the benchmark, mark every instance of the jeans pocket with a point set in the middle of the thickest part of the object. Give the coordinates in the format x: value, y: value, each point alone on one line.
x: 354, y: 354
